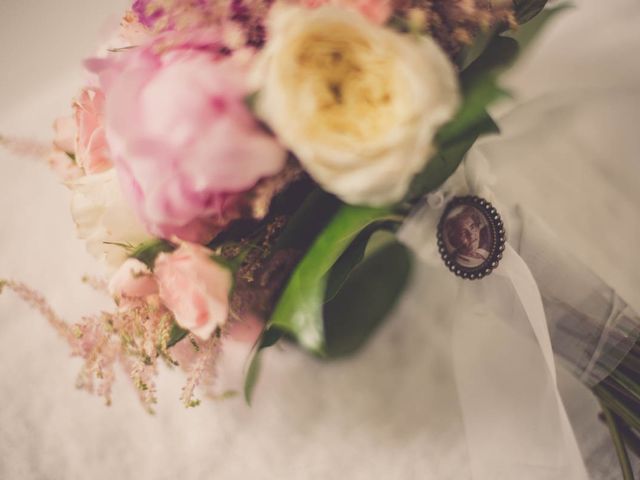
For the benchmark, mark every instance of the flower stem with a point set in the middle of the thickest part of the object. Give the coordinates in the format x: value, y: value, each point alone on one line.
x: 613, y: 423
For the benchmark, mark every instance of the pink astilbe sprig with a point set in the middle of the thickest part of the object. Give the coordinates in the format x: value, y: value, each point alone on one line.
x: 142, y: 374
x: 99, y: 284
x: 136, y: 335
x: 200, y: 360
x: 25, y: 147
x: 36, y: 301
x: 100, y: 350
x: 59, y: 161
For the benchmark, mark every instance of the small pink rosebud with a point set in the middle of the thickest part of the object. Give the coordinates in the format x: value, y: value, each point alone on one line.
x: 132, y: 280
x: 64, y: 130
x: 195, y: 288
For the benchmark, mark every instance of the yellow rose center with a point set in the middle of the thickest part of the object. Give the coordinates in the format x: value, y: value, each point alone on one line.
x: 352, y: 84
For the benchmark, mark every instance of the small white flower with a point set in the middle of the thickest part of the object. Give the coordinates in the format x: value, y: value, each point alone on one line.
x: 357, y: 103
x: 103, y: 217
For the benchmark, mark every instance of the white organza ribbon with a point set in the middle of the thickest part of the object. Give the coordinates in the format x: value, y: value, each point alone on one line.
x: 515, y: 423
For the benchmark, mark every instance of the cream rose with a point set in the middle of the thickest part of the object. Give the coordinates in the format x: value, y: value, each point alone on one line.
x: 103, y: 218
x: 357, y: 103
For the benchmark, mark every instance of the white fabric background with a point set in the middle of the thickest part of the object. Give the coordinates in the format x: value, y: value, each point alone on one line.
x: 569, y: 152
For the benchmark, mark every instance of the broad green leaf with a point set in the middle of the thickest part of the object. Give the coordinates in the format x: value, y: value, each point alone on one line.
x: 299, y: 309
x: 365, y: 299
x: 352, y: 256
x: 314, y: 213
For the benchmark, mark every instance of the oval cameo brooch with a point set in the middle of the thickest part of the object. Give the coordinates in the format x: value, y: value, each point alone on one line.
x: 471, y: 237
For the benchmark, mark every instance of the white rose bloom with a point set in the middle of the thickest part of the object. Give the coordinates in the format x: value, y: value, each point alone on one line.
x: 357, y: 103
x: 102, y: 215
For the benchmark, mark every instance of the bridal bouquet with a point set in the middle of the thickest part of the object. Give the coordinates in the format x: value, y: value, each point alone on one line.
x: 243, y: 168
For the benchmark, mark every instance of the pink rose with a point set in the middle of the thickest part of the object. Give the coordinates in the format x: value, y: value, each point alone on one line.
x: 195, y: 288
x: 132, y: 280
x: 92, y: 153
x: 182, y: 139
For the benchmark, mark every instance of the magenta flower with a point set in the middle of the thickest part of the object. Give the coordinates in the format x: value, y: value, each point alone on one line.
x: 181, y: 137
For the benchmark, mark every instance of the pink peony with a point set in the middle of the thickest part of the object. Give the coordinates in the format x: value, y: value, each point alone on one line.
x: 195, y: 288
x: 182, y: 139
x: 92, y: 153
x: 377, y: 11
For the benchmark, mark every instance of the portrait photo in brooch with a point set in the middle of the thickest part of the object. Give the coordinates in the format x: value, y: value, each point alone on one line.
x: 467, y: 238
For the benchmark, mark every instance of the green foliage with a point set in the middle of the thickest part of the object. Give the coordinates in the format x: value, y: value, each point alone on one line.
x: 472, y: 118
x: 251, y: 377
x: 299, y: 310
x: 367, y: 296
x: 352, y: 256
x: 341, y: 291
x: 312, y: 216
x: 268, y: 338
x: 527, y: 9
x: 481, y: 65
x: 148, y: 251
x: 176, y: 334
x: 526, y: 33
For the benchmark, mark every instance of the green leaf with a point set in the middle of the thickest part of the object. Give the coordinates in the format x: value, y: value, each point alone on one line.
x: 470, y: 122
x: 525, y: 10
x: 470, y: 53
x: 352, y: 256
x: 308, y: 221
x: 251, y: 377
x: 299, y: 309
x: 365, y: 299
x: 479, y: 90
x: 472, y: 113
x: 500, y: 53
x: 525, y: 34
x: 268, y: 338
x: 449, y: 156
x: 148, y: 251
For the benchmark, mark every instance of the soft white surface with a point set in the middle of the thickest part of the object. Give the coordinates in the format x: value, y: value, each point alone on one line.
x: 569, y: 151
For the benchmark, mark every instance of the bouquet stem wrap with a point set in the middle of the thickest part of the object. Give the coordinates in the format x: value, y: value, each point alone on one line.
x: 592, y: 329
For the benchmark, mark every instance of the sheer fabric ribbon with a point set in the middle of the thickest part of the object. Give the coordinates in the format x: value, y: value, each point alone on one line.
x: 515, y: 423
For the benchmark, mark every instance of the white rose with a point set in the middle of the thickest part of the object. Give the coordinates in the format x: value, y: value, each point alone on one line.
x: 357, y: 103
x: 103, y: 217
